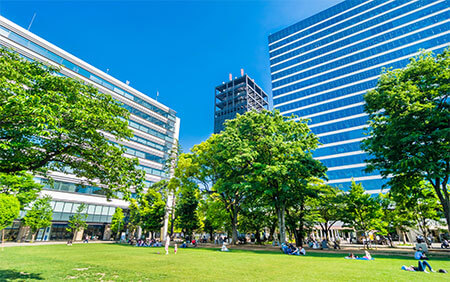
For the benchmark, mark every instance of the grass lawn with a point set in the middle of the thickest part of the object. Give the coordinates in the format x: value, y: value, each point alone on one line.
x: 119, y: 263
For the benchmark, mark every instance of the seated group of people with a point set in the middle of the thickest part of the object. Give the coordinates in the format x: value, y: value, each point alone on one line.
x: 292, y: 250
x: 148, y: 243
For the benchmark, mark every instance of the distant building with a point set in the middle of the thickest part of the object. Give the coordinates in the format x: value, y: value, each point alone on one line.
x: 237, y: 97
x: 323, y: 65
x: 155, y: 127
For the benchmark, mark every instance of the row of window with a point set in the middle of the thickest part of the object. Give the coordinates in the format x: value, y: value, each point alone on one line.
x: 346, y: 24
x: 329, y: 106
x: 153, y: 171
x: 338, y: 149
x: 338, y: 114
x: 347, y: 160
x: 340, y: 82
x: 367, y: 25
x: 70, y: 187
x: 355, y: 48
x: 325, y: 96
x: 333, y: 83
x: 167, y: 125
x: 60, y: 216
x: 149, y: 143
x: 78, y: 188
x: 340, y: 125
x: 58, y: 59
x: 348, y: 135
x: 374, y: 61
x: 149, y: 130
x: 144, y: 155
x: 328, y: 13
x: 371, y: 184
x: 349, y: 173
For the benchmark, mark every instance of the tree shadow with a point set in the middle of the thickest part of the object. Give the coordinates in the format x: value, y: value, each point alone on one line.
x: 11, y: 275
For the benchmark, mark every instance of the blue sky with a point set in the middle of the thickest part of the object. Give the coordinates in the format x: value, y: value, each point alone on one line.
x: 183, y: 49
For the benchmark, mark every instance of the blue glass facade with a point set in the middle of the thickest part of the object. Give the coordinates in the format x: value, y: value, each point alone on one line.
x: 323, y: 65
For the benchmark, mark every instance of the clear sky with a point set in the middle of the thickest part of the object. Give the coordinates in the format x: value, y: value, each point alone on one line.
x: 183, y: 49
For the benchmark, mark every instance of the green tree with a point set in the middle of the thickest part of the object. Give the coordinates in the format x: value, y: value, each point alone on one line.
x: 9, y: 210
x: 39, y: 216
x: 254, y: 217
x: 409, y: 130
x: 152, y: 210
x: 328, y: 206
x: 274, y: 156
x: 361, y: 210
x: 117, y: 223
x: 51, y: 122
x: 301, y: 214
x: 398, y: 217
x: 212, y: 164
x: 77, y: 221
x: 214, y: 215
x: 21, y: 185
x: 186, y: 209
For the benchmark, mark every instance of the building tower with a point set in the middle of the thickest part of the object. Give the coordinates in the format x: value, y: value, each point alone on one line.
x: 155, y: 127
x: 237, y: 97
x: 322, y: 66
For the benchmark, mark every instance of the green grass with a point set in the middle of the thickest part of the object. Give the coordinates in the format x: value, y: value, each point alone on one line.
x: 124, y: 263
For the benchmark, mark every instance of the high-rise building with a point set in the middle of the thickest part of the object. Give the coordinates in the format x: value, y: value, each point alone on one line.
x: 155, y: 128
x: 323, y: 65
x: 237, y: 96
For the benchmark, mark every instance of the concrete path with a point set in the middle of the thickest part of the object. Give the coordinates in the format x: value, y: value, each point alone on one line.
x: 40, y: 243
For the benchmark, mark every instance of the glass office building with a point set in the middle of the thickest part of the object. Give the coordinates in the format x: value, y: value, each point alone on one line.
x: 323, y: 65
x: 155, y: 128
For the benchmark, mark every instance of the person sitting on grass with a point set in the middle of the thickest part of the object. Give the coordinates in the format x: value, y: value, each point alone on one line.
x: 420, y: 254
x: 351, y: 256
x: 293, y: 250
x: 302, y: 251
x: 224, y: 248
x: 421, y: 267
x: 368, y: 256
x: 445, y: 244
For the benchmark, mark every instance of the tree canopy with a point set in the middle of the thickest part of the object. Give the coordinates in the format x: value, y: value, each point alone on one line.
x: 9, y: 210
x: 50, y: 122
x: 21, y: 185
x: 409, y: 130
x: 77, y: 221
x: 39, y: 216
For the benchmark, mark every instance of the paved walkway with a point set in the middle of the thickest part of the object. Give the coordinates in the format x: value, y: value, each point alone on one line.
x: 40, y: 243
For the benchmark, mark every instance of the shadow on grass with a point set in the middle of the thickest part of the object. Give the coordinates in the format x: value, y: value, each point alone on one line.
x: 10, y: 275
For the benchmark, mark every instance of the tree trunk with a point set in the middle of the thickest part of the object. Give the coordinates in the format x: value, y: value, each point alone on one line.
x: 33, y: 236
x: 281, y: 223
x: 258, y: 237
x: 446, y: 206
x: 272, y: 231
x: 74, y: 237
x: 443, y: 196
x: 234, y: 227
x: 3, y: 237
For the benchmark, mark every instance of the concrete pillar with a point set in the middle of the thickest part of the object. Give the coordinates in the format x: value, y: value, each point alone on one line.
x: 169, y: 207
x: 139, y: 233
x: 108, y: 233
x: 24, y: 233
x: 79, y: 235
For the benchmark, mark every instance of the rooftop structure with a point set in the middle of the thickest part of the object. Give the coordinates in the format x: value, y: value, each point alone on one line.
x: 237, y: 96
